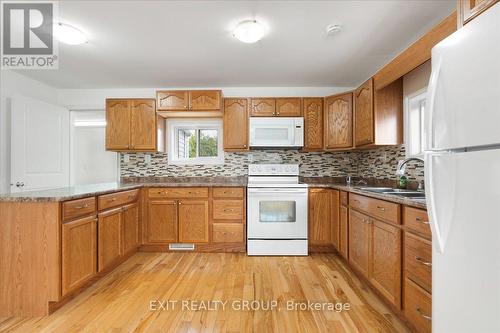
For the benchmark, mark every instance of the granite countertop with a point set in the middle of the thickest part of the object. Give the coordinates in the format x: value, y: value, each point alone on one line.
x: 77, y: 192
x: 82, y: 191
x: 339, y: 184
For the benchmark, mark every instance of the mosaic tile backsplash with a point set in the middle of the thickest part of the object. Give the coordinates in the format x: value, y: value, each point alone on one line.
x: 378, y: 163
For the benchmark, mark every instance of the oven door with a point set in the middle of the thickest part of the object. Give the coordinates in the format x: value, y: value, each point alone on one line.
x: 273, y: 132
x: 277, y: 213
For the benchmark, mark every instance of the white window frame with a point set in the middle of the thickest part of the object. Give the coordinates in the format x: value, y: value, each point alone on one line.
x: 416, y: 97
x: 211, y: 124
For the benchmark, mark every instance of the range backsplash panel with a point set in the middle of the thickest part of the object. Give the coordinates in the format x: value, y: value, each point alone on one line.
x: 378, y: 163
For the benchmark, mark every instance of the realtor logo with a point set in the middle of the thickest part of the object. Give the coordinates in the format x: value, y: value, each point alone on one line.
x: 27, y: 35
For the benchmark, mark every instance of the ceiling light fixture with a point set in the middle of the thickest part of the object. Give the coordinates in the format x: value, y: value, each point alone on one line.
x: 333, y: 29
x: 69, y: 35
x: 249, y: 31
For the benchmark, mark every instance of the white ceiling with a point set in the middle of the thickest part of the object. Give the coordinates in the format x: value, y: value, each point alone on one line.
x: 189, y: 43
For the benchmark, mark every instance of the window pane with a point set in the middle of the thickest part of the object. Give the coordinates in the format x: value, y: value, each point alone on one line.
x: 186, y: 143
x: 277, y: 211
x: 208, y: 143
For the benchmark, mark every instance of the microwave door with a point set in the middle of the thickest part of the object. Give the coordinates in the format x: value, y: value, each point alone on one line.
x: 271, y: 133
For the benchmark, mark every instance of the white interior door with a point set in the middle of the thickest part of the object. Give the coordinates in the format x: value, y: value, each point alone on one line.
x: 39, y: 145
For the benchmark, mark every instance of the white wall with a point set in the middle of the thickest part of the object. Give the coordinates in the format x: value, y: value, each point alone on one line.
x: 93, y: 99
x: 13, y: 83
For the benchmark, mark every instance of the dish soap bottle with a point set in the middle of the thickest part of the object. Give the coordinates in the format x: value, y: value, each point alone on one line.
x: 403, y: 181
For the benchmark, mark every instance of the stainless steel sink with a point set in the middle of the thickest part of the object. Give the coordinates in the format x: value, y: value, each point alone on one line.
x: 396, y: 192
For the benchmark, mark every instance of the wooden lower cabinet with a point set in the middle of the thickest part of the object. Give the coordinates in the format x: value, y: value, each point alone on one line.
x: 344, y: 231
x: 130, y: 228
x: 385, y: 263
x: 162, y: 221
x: 418, y: 307
x: 193, y: 221
x: 359, y: 241
x: 323, y: 217
x: 110, y: 238
x: 79, y: 251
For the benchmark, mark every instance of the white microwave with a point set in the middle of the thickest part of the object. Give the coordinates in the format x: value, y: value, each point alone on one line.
x: 276, y: 132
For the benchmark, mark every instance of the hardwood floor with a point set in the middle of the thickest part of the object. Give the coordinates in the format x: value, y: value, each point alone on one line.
x: 121, y: 301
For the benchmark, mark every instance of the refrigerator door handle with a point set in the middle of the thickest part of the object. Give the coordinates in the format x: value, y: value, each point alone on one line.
x: 433, y: 82
x: 440, y: 214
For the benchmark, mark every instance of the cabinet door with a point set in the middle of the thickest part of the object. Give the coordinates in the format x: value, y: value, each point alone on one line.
x: 174, y: 100
x: 117, y: 124
x: 143, y: 120
x: 109, y: 236
x: 193, y: 221
x: 313, y: 123
x: 204, y: 100
x: 130, y: 228
x: 162, y: 221
x: 363, y: 111
x: 385, y: 263
x: 344, y: 231
x: 236, y: 124
x: 78, y: 253
x: 320, y: 216
x: 338, y: 121
x: 359, y: 241
x: 262, y: 107
x: 288, y: 107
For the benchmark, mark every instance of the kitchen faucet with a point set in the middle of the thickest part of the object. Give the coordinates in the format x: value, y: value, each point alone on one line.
x: 402, y: 168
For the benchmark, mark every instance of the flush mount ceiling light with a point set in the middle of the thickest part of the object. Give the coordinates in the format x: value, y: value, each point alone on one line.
x: 69, y: 35
x: 249, y: 31
x: 333, y: 29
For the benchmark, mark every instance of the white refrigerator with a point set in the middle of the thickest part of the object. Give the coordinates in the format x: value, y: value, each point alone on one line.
x: 462, y: 174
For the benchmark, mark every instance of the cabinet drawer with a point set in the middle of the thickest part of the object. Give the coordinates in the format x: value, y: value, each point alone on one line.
x: 78, y: 208
x: 417, y: 307
x: 228, y: 233
x: 186, y: 192
x: 343, y: 198
x: 417, y: 220
x: 384, y: 210
x: 228, y: 209
x: 228, y: 192
x: 418, y: 260
x: 117, y: 199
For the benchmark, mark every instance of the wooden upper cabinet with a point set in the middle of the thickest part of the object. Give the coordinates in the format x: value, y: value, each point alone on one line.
x: 378, y: 114
x: 193, y: 221
x: 359, y: 241
x: 175, y: 100
x: 262, y: 107
x: 79, y: 251
x: 338, y: 121
x: 363, y: 104
x: 235, y: 124
x: 289, y: 107
x: 385, y: 263
x: 469, y: 9
x: 204, y: 100
x: 313, y: 123
x: 117, y: 124
x: 188, y: 100
x: 143, y: 121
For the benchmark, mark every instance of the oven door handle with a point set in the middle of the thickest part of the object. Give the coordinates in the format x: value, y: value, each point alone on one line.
x: 287, y: 190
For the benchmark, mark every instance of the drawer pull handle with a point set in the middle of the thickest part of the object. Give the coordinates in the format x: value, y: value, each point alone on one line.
x: 112, y: 199
x: 366, y: 221
x: 381, y: 208
x: 421, y: 313
x: 423, y: 262
x: 419, y: 220
x: 228, y: 210
x: 131, y: 196
x: 82, y: 206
